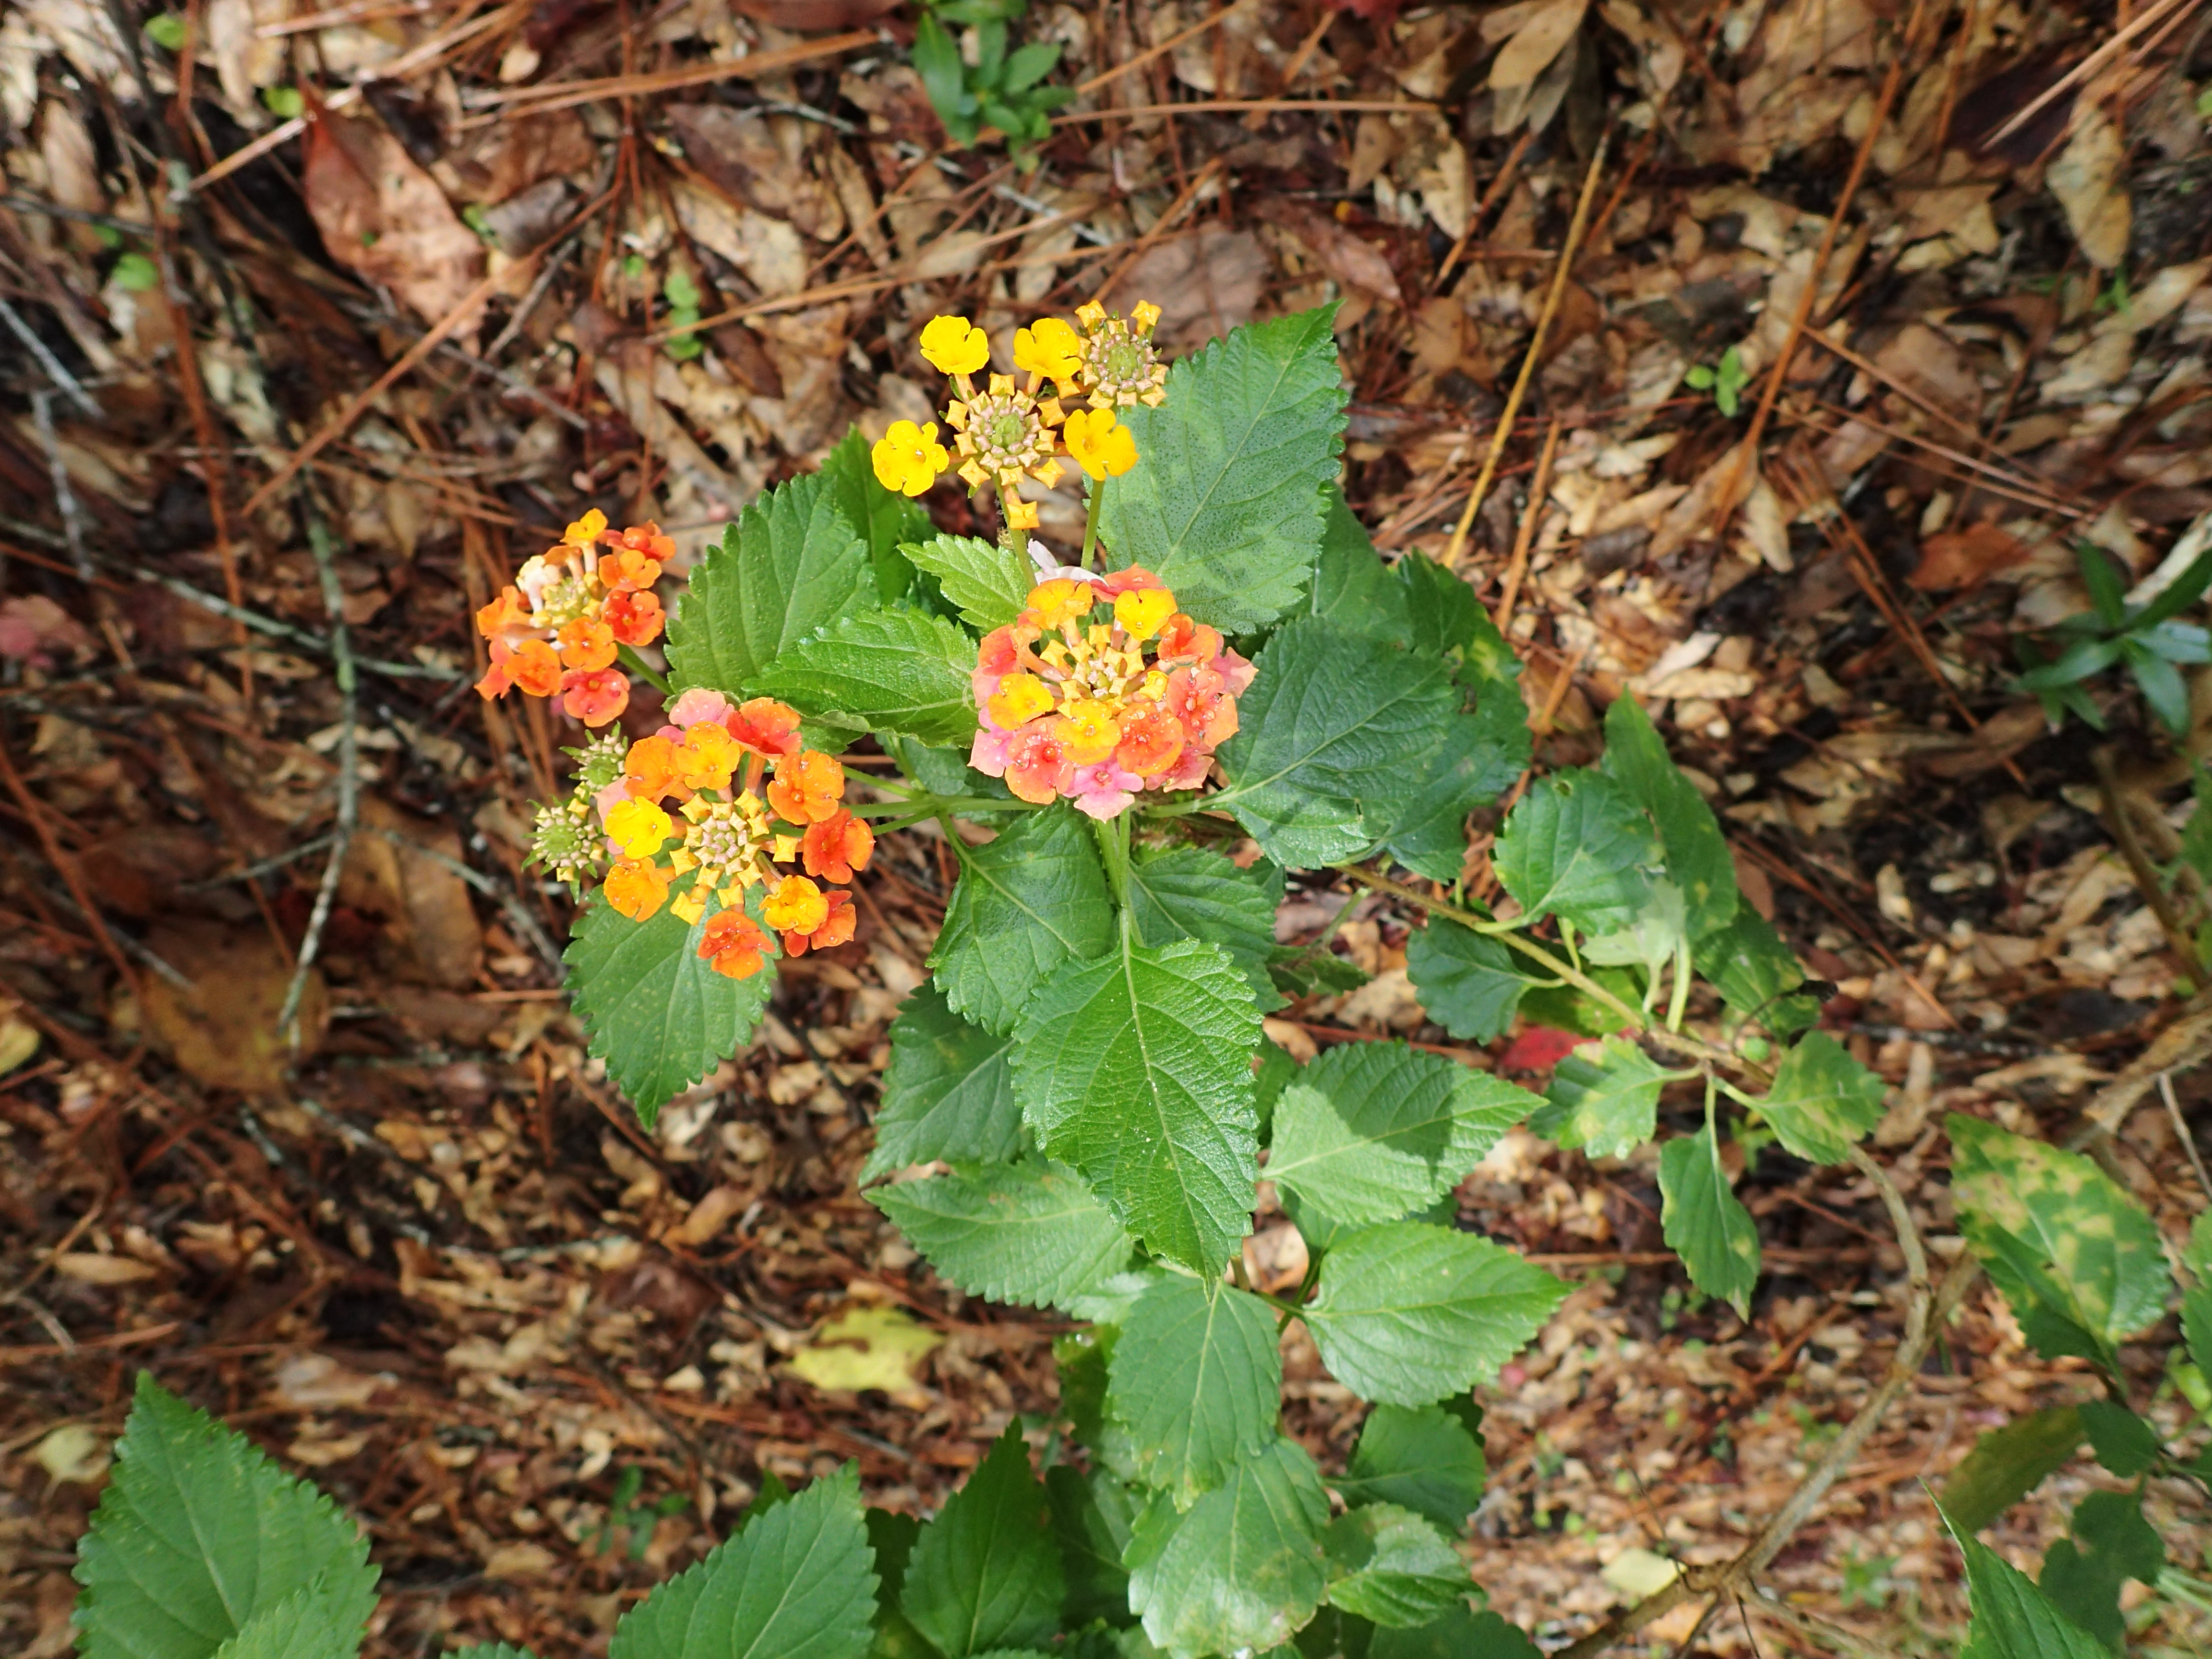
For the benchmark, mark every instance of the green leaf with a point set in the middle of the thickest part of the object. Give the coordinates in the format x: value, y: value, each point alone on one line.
x: 891, y: 1536
x: 1027, y: 903
x: 1408, y: 1313
x: 313, y: 1622
x: 1351, y: 586
x: 2164, y: 692
x: 1697, y: 859
x: 1136, y: 1070
x: 2077, y: 1258
x: 1604, y: 1098
x: 1030, y: 1233
x: 1224, y: 502
x: 1197, y: 1378
x: 1091, y: 1515
x: 1313, y: 970
x: 988, y: 585
x: 984, y: 1573
x: 1570, y: 1008
x: 1704, y: 1224
x: 884, y: 517
x: 1335, y: 736
x: 896, y: 671
x: 199, y: 1533
x: 948, y: 1092
x: 1243, y: 1569
x: 2013, y: 1619
x: 1460, y: 1634
x: 1422, y: 1458
x: 1191, y: 893
x: 2197, y: 1324
x: 796, y: 1584
x: 792, y: 563
x: 1756, y: 973
x: 1388, y: 1564
x: 1579, y: 846
x: 2111, y: 1543
x: 659, y: 1017
x: 1373, y: 1131
x: 2007, y: 1464
x: 1465, y: 981
x: 1822, y: 1100
x: 2123, y: 1442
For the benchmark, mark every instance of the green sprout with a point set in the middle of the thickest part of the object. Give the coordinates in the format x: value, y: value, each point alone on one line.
x: 999, y: 90
x: 2146, y: 637
x: 166, y: 30
x: 1726, y: 381
x: 683, y: 296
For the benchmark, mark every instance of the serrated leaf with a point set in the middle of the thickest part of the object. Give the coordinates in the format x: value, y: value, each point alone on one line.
x: 2007, y: 1464
x: 1448, y: 621
x: 1243, y: 1569
x: 1604, y: 1098
x: 2013, y: 1619
x: 1822, y: 1100
x: 1388, y: 1564
x: 1460, y: 1634
x: 1408, y: 1313
x: 1197, y: 1378
x: 1191, y: 893
x: 1704, y: 1222
x: 1466, y: 983
x: 792, y: 563
x: 1314, y: 970
x: 1420, y: 1458
x: 2196, y: 1324
x: 1349, y: 586
x: 2123, y: 1442
x: 1577, y: 847
x: 1756, y: 973
x: 659, y: 1017
x: 1336, y: 734
x: 1698, y: 858
x: 796, y: 1584
x: 1032, y: 1233
x: 1373, y: 1131
x: 1027, y: 903
x: 948, y: 1092
x: 984, y: 1573
x: 884, y: 517
x: 1224, y: 502
x: 2111, y: 1543
x: 988, y: 585
x: 900, y: 671
x: 314, y: 1622
x: 198, y: 1534
x: 1135, y: 1069
x: 2077, y: 1258
x: 1091, y: 1515
x: 1472, y: 767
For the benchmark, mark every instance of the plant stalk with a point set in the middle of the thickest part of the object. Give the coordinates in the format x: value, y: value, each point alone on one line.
x: 1090, y: 520
x: 627, y: 657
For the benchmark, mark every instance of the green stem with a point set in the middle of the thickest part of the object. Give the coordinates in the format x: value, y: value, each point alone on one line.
x: 1090, y: 520
x: 926, y: 805
x: 645, y: 671
x: 1678, y: 1003
x: 1113, y: 851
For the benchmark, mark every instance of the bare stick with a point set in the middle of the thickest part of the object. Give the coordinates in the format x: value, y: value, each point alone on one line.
x: 348, y: 764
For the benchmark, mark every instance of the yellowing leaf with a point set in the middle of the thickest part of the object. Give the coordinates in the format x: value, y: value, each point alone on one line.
x: 865, y: 1347
x: 72, y: 1452
x: 1639, y: 1573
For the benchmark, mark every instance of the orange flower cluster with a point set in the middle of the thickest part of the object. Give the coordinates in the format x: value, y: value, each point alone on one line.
x: 747, y: 800
x: 556, y: 627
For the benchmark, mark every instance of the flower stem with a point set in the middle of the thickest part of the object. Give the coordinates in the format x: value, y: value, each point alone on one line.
x: 1090, y: 520
x: 645, y: 671
x: 927, y: 805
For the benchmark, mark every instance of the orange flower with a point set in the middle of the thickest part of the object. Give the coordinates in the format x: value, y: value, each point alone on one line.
x: 633, y: 618
x: 706, y: 758
x: 765, y: 727
x: 637, y: 888
x: 1181, y: 637
x: 587, y: 643
x: 796, y: 906
x: 837, y: 846
x: 734, y: 944
x: 535, y: 668
x: 650, y: 768
x: 624, y: 571
x: 1152, y: 739
x: 644, y: 538
x: 808, y: 787
x: 1037, y: 765
x: 596, y: 697
x: 1142, y: 612
x: 506, y: 611
x: 585, y: 531
x: 837, y: 926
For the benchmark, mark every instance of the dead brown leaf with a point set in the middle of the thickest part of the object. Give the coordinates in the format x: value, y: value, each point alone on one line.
x: 221, y: 1027
x: 1959, y: 558
x: 1355, y: 263
x: 736, y: 152
x: 428, y: 921
x: 1205, y: 281
x: 385, y: 218
x: 2087, y: 182
x: 1536, y: 43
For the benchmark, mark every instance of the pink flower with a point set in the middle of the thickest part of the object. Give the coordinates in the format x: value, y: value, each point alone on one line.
x: 987, y: 754
x: 1188, y: 773
x: 696, y: 707
x: 611, y: 796
x: 1235, y: 670
x: 1103, y: 791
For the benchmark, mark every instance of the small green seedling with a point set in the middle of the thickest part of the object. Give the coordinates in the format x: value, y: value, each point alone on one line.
x: 2146, y: 637
x: 1725, y: 380
x: 989, y: 88
x: 625, y: 1514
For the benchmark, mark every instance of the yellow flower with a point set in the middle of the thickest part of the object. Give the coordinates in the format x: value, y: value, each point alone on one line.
x: 639, y: 828
x: 1020, y: 698
x: 585, y: 531
x: 1061, y: 600
x: 1101, y: 445
x: 1089, y: 731
x: 1144, y: 315
x: 909, y: 458
x: 796, y: 906
x: 1050, y: 348
x: 1143, y: 612
x: 1021, y: 514
x: 955, y: 345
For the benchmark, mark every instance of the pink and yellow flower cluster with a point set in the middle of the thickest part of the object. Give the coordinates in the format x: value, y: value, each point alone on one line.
x: 555, y: 629
x: 1099, y: 710
x: 747, y: 799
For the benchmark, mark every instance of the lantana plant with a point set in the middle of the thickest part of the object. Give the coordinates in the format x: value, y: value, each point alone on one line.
x: 1132, y: 746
